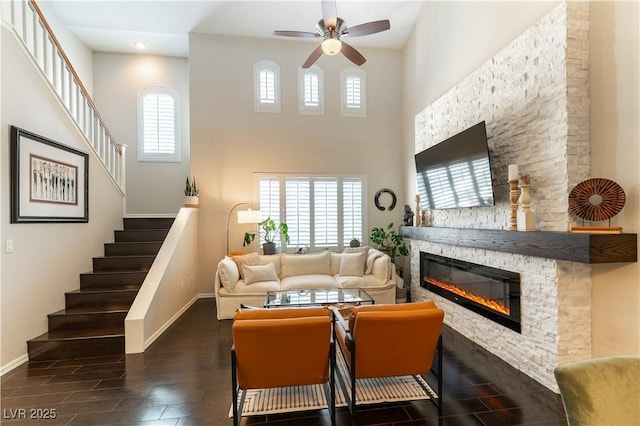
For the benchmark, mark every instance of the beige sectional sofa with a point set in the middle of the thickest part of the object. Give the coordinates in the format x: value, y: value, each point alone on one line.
x: 246, y: 279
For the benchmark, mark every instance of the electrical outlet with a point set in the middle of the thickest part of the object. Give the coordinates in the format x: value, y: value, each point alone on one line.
x: 8, y: 246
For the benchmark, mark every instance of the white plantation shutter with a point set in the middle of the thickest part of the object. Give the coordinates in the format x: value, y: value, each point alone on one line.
x: 325, y: 208
x: 158, y: 124
x: 354, y: 92
x: 266, y: 86
x: 352, y: 210
x: 311, y: 91
x: 298, y: 210
x: 270, y: 200
x: 320, y: 211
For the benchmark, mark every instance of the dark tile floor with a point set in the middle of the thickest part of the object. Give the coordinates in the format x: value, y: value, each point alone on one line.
x: 184, y: 379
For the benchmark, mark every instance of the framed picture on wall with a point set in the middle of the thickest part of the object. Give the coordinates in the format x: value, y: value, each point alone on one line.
x: 49, y: 180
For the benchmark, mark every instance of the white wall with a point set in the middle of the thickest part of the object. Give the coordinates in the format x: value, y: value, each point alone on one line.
x: 615, y: 154
x: 229, y: 141
x: 48, y: 258
x: 152, y: 187
x: 444, y: 35
x: 79, y: 54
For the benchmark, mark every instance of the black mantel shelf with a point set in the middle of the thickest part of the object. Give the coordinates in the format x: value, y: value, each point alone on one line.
x: 583, y: 248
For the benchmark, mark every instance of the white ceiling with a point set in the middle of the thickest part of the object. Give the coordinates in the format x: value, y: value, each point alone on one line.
x: 115, y: 25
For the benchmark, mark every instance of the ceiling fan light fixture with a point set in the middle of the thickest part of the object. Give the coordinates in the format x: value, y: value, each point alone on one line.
x: 331, y: 46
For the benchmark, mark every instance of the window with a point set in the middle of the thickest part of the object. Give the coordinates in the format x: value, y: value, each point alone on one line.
x: 322, y: 212
x: 354, y: 92
x: 311, y: 90
x: 158, y: 124
x: 266, y: 86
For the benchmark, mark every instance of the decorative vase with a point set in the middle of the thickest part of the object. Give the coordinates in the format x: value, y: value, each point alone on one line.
x: 191, y: 201
x: 269, y: 248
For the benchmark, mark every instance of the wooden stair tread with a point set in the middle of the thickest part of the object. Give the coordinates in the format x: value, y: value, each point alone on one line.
x: 80, y: 334
x: 82, y: 310
x: 116, y: 271
x: 127, y: 288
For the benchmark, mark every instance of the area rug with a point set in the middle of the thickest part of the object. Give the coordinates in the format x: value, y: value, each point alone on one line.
x: 312, y: 397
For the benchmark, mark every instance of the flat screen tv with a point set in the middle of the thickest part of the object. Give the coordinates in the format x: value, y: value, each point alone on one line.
x: 456, y: 172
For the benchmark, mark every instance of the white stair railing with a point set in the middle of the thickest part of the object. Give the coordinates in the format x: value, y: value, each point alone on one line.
x: 31, y: 28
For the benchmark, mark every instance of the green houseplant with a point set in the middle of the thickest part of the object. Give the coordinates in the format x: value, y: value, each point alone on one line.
x: 389, y: 241
x: 191, y: 192
x: 269, y: 231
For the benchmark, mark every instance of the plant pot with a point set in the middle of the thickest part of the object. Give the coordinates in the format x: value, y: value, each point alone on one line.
x: 269, y: 248
x: 191, y: 201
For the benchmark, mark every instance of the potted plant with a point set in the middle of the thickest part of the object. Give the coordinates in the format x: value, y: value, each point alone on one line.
x: 191, y: 192
x: 269, y: 231
x: 389, y: 241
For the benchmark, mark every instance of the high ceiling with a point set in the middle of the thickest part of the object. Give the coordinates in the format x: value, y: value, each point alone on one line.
x: 115, y: 25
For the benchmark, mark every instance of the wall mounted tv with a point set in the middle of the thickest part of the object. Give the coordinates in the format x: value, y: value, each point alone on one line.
x: 456, y: 172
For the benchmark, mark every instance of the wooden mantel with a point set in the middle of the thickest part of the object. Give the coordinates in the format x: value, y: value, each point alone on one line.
x: 583, y: 248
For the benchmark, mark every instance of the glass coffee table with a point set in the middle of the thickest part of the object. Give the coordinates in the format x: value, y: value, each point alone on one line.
x: 317, y: 297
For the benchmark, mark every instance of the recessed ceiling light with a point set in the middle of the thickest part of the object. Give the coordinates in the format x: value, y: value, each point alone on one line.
x: 140, y: 45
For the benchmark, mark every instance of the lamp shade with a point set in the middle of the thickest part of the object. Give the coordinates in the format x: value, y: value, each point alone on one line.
x: 249, y: 216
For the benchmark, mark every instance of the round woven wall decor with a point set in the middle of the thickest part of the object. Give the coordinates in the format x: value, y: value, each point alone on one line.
x: 596, y: 199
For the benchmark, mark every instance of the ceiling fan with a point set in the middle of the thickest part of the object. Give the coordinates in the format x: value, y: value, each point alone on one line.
x: 332, y: 28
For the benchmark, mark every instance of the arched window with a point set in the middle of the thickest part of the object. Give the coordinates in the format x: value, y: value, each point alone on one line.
x: 158, y: 124
x: 311, y: 91
x: 354, y: 92
x: 266, y: 86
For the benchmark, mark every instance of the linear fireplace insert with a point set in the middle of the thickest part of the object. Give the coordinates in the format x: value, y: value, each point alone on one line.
x: 491, y: 292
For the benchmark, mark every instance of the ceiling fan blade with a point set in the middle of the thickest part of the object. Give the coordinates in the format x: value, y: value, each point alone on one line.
x: 352, y: 54
x: 303, y: 34
x: 330, y: 13
x: 317, y: 52
x: 368, y: 28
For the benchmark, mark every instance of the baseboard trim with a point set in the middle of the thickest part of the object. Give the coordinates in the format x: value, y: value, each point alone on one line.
x: 14, y: 364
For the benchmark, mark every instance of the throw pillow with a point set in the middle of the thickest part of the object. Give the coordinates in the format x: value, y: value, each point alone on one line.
x: 229, y: 273
x: 247, y: 259
x: 353, y: 264
x: 363, y: 249
x: 306, y: 264
x: 257, y: 273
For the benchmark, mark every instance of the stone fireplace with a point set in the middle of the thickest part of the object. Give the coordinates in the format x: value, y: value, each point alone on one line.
x: 533, y: 96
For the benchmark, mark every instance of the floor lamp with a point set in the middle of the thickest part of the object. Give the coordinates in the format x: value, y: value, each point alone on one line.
x: 244, y: 216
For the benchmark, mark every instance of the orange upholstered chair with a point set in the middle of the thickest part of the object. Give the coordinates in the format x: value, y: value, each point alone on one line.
x: 390, y: 340
x: 282, y: 347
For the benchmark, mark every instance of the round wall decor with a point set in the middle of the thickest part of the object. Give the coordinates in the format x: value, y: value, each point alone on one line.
x: 596, y: 199
x: 377, y: 199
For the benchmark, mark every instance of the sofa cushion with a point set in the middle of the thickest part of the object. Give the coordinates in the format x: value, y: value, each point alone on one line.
x: 272, y: 258
x: 306, y: 264
x: 257, y: 273
x: 363, y: 249
x: 335, y: 263
x: 247, y: 259
x: 347, y: 281
x: 260, y: 287
x: 300, y: 282
x: 352, y: 264
x: 228, y: 272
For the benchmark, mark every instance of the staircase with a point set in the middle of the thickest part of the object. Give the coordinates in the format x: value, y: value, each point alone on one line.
x: 92, y: 323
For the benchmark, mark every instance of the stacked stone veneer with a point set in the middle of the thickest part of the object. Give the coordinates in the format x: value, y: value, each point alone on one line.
x: 533, y: 96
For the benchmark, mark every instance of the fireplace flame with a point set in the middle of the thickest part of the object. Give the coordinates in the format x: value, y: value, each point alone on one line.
x: 491, y: 304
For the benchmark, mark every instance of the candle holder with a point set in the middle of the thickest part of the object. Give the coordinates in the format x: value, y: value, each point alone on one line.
x: 513, y: 199
x: 526, y: 218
